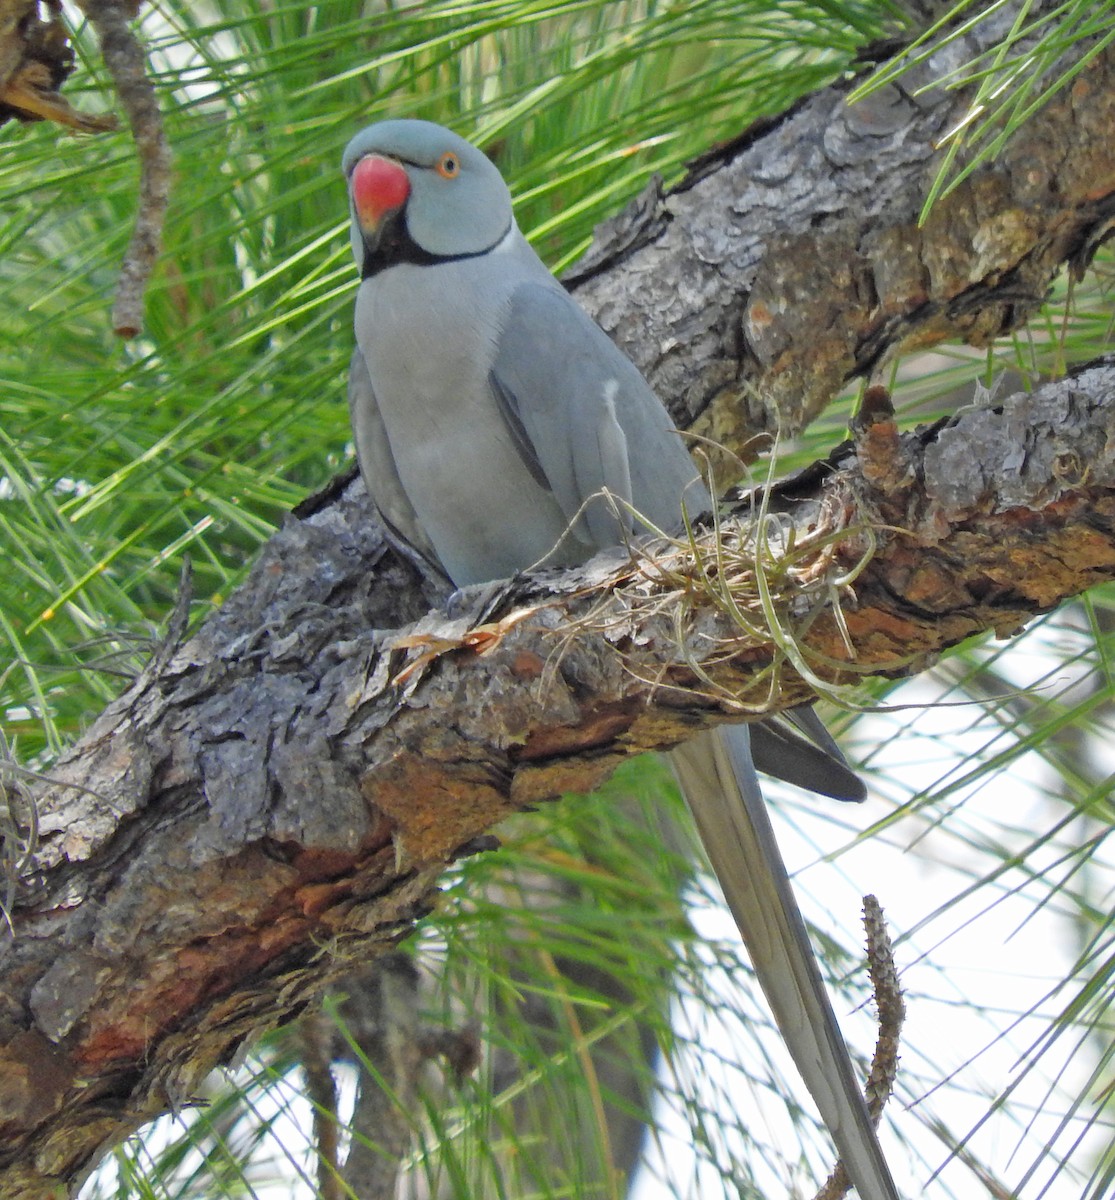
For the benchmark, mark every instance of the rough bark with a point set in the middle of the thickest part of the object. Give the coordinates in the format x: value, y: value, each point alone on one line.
x: 791, y: 261
x: 269, y: 803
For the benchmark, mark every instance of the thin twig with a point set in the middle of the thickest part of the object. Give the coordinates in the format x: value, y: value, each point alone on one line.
x: 892, y: 1012
x: 124, y: 58
x: 890, y: 1005
x: 316, y: 1033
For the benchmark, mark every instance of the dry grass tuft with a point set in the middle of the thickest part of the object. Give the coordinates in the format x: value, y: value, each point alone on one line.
x: 770, y: 581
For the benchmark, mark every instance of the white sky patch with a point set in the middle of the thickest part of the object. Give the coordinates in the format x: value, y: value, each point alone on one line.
x: 61, y: 487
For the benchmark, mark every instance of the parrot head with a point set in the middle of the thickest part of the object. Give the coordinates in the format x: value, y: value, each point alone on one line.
x: 419, y: 193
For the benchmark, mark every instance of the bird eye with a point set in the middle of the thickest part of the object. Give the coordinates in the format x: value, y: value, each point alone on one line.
x: 448, y: 166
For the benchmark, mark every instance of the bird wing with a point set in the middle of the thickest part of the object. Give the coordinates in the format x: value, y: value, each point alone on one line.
x: 585, y: 420
x: 813, y: 762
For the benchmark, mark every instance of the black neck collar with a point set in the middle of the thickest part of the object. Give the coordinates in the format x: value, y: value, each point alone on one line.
x: 395, y: 245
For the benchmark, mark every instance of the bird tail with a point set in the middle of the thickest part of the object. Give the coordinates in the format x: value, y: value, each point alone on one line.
x: 718, y: 778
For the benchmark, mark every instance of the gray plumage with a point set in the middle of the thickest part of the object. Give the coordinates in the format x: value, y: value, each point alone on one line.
x: 488, y: 411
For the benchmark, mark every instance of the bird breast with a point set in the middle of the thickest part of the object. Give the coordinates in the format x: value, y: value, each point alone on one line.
x: 429, y: 336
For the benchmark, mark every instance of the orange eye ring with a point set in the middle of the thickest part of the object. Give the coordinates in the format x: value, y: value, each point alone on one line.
x: 448, y: 166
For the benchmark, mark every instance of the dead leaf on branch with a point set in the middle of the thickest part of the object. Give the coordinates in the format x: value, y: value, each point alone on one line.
x: 35, y: 60
x: 480, y: 639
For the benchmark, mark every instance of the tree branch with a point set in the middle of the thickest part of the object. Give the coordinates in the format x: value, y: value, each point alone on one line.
x: 790, y: 260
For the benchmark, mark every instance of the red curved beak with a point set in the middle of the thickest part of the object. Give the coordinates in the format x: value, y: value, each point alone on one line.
x: 379, y: 187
